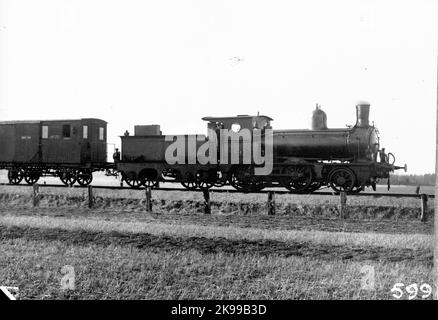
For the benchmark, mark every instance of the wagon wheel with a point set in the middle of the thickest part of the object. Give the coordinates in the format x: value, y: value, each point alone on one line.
x: 32, y: 177
x: 84, y: 178
x: 15, y: 176
x: 299, y: 178
x: 342, y: 179
x: 68, y: 178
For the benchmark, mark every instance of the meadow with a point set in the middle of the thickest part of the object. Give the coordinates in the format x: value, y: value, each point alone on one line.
x: 117, y: 250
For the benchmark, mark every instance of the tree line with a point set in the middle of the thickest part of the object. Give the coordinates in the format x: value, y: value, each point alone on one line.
x: 427, y: 179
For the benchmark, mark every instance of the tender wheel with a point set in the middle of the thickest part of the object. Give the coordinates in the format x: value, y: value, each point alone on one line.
x: 15, y: 176
x: 32, y: 177
x: 342, y: 179
x: 131, y: 180
x: 190, y: 182
x: 221, y: 180
x: 148, y: 178
x: 205, y: 179
x: 190, y: 185
x: 299, y: 178
x: 150, y: 183
x: 68, y: 178
x: 84, y: 178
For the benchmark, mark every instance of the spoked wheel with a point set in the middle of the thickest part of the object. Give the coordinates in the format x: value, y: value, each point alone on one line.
x: 68, y: 177
x: 85, y: 177
x: 243, y: 179
x: 32, y: 177
x: 342, y: 179
x: 205, y: 179
x: 149, y: 178
x: 131, y: 180
x: 150, y: 183
x: 190, y: 182
x: 299, y: 178
x: 15, y: 176
x: 190, y: 185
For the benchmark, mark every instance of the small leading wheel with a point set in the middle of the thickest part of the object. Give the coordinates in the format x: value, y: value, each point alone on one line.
x: 15, y: 176
x: 299, y: 178
x: 85, y: 177
x: 32, y: 177
x: 68, y: 177
x: 342, y: 179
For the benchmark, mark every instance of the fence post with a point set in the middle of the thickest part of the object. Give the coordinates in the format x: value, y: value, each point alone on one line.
x: 90, y: 197
x: 424, y: 199
x: 271, y: 203
x: 148, y: 199
x: 207, y: 208
x: 35, y: 196
x: 343, y: 206
x: 417, y: 190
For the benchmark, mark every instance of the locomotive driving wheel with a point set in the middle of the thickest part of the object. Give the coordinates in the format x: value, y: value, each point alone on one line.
x: 299, y: 178
x: 243, y: 179
x: 68, y: 177
x: 32, y: 177
x: 84, y: 177
x: 15, y: 176
x: 342, y: 179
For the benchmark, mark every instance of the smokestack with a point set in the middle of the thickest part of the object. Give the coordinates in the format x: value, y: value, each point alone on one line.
x: 362, y: 114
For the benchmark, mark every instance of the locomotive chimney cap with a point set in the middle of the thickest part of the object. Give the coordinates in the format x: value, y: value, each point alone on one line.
x: 362, y: 103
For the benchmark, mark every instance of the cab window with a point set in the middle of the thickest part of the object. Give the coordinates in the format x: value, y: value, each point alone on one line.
x: 66, y: 131
x: 101, y: 133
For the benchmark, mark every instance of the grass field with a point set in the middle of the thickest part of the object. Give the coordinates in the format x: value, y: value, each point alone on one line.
x: 118, y: 251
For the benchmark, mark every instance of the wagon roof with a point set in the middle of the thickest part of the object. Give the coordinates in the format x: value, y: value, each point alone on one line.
x: 219, y: 119
x: 47, y: 120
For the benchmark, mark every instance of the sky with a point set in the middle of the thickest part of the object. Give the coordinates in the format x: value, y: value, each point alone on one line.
x: 172, y: 62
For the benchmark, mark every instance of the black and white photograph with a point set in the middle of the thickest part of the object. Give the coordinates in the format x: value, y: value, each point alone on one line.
x: 218, y: 155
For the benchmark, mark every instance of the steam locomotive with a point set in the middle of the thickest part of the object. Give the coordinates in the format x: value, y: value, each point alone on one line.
x: 347, y: 159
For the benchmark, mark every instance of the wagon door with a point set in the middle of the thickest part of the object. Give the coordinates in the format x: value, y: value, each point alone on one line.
x: 27, y: 142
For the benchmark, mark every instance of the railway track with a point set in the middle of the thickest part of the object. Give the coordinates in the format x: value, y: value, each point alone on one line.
x: 215, y: 190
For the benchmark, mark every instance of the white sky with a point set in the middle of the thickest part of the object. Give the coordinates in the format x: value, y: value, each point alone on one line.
x: 171, y: 62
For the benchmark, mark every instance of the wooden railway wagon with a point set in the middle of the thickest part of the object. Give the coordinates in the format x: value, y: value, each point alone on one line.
x: 68, y: 149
